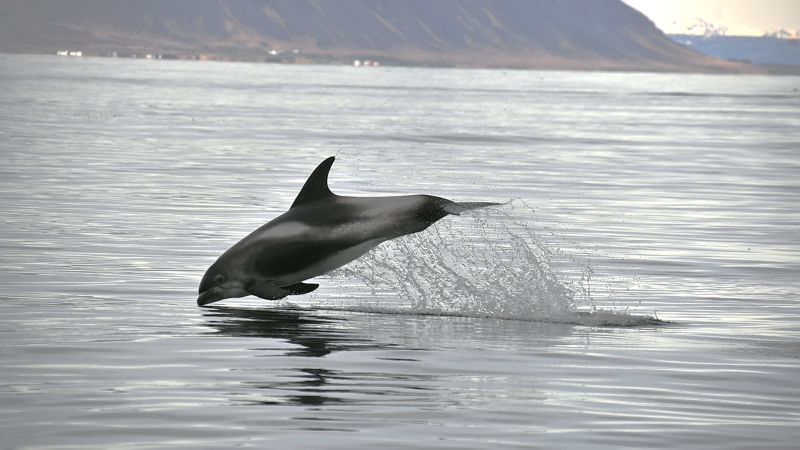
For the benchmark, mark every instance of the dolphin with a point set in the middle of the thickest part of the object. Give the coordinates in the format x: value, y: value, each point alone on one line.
x: 321, y: 231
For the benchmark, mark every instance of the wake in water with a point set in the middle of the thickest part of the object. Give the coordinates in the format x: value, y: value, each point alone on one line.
x: 489, y: 264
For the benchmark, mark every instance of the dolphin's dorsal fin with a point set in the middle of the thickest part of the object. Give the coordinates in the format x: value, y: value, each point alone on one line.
x: 316, y: 187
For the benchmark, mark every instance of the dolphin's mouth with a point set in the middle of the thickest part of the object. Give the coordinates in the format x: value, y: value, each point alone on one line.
x: 209, y: 296
x: 217, y: 293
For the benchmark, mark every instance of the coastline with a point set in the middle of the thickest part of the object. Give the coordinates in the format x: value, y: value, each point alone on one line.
x: 722, y: 67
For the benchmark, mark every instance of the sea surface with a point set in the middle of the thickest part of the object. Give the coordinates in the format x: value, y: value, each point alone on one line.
x: 638, y: 288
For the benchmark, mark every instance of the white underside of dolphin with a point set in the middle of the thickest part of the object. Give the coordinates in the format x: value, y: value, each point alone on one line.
x: 322, y: 231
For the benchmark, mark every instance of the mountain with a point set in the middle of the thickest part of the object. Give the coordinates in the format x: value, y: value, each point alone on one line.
x: 705, y: 28
x: 548, y: 34
x: 783, y: 33
x: 754, y: 49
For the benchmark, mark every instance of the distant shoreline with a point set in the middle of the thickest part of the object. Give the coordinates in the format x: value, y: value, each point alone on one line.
x: 348, y: 60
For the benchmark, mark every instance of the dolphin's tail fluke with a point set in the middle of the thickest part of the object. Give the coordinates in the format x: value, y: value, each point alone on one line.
x: 457, y: 208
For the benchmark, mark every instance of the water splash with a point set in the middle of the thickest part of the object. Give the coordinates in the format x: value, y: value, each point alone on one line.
x: 488, y: 263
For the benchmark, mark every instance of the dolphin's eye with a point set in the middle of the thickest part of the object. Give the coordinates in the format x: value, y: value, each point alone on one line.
x: 219, y: 278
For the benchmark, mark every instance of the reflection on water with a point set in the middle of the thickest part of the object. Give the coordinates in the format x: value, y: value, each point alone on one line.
x: 395, y: 376
x: 315, y: 336
x: 671, y: 194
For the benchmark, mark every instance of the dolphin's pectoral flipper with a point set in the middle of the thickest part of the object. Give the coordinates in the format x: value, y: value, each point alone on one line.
x: 456, y: 208
x: 301, y: 288
x: 267, y: 290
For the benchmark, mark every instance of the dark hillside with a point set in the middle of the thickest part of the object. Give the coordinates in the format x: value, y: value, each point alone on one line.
x: 568, y: 34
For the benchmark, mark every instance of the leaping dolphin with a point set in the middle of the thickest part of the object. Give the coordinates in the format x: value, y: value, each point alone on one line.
x: 322, y: 231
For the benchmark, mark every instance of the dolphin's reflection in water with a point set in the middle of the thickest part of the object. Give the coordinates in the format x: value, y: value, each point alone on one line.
x: 315, y: 335
x: 314, y: 382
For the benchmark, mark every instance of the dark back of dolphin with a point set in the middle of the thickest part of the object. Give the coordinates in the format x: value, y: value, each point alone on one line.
x: 316, y: 189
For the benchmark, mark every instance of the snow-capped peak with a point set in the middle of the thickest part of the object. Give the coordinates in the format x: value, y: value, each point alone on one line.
x: 705, y: 28
x: 783, y: 33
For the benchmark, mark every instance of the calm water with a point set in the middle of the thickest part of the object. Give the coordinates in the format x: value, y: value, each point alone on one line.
x: 668, y: 195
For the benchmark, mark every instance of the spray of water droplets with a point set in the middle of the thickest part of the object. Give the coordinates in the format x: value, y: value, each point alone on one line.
x: 488, y: 263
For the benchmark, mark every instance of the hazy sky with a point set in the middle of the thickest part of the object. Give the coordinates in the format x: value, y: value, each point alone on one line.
x: 742, y: 17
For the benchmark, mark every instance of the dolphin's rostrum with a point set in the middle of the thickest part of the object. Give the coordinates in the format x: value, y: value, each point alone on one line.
x: 320, y: 232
